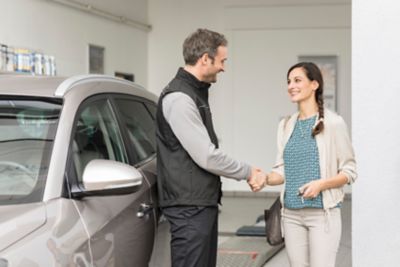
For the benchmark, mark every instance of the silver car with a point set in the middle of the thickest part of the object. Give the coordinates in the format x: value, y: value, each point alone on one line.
x: 77, y: 172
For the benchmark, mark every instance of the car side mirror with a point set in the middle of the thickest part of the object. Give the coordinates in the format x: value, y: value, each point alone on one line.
x: 106, y: 177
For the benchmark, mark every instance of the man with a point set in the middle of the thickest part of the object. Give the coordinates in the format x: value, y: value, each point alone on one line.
x: 189, y: 160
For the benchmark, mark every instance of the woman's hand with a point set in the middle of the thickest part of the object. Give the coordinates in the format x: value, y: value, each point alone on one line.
x: 311, y: 189
x: 257, y: 180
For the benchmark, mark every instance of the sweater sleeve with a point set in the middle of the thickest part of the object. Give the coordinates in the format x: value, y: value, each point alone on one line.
x: 184, y: 118
x: 345, y: 153
x: 279, y: 163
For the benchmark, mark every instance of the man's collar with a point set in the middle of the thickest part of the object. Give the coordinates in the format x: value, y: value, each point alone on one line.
x: 190, y: 78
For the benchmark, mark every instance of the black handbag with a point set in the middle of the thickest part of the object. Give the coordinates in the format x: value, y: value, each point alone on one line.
x: 273, y: 230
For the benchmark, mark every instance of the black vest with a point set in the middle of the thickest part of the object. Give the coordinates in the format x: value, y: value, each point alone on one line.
x: 181, y: 182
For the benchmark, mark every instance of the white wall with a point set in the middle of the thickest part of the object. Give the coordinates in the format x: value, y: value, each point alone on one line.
x: 376, y: 131
x: 265, y: 38
x: 172, y: 22
x: 65, y: 33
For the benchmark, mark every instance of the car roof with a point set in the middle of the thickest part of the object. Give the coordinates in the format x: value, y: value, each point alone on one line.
x: 28, y: 85
x: 58, y: 87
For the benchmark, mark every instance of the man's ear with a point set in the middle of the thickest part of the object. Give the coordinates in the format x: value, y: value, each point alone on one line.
x: 204, y: 59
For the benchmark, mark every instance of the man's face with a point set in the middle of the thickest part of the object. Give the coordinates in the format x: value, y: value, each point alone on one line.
x: 213, y: 67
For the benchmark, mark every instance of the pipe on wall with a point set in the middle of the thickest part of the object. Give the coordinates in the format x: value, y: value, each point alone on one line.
x: 104, y: 14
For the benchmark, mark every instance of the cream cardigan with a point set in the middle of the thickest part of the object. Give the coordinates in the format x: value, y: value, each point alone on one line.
x: 336, y: 153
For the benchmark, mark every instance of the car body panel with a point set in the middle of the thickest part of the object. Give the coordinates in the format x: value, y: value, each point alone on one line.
x: 17, y: 221
x: 60, y: 241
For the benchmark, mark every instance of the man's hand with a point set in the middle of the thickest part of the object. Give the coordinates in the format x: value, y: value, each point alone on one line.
x: 257, y: 179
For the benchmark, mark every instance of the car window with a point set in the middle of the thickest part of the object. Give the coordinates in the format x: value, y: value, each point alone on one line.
x: 27, y: 132
x: 97, y: 136
x: 140, y: 127
x: 152, y: 108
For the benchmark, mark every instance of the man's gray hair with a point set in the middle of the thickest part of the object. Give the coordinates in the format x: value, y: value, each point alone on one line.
x: 200, y: 42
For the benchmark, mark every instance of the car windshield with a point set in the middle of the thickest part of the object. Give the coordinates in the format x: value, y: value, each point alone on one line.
x: 27, y: 131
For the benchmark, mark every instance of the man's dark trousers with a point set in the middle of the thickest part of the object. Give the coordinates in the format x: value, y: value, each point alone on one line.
x: 194, y: 235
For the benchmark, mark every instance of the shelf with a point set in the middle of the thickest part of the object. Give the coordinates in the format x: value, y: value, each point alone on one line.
x: 2, y: 72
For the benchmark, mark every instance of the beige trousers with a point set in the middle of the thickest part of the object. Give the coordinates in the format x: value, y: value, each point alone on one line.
x: 312, y: 236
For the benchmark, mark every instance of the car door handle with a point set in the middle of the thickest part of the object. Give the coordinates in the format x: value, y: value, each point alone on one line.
x: 144, y: 209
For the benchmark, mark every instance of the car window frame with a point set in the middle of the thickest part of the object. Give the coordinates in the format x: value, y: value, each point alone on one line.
x: 71, y: 183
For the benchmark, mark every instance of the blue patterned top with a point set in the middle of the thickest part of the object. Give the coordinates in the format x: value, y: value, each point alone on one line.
x: 301, y: 160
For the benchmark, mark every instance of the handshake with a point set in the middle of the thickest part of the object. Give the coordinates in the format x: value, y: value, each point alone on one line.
x: 257, y: 179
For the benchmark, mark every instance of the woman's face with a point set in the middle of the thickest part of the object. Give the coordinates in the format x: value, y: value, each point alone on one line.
x: 300, y: 88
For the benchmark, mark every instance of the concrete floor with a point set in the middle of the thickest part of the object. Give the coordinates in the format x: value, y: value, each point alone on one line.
x: 238, y: 211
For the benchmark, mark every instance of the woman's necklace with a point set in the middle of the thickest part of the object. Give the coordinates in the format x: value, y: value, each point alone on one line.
x: 304, y: 127
x: 302, y: 131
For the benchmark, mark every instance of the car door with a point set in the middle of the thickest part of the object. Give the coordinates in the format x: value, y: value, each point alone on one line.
x: 118, y: 236
x: 137, y: 116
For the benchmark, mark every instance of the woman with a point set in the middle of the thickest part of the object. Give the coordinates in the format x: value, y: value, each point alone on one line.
x: 315, y: 160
